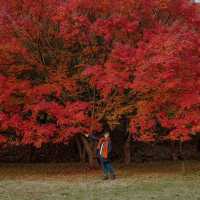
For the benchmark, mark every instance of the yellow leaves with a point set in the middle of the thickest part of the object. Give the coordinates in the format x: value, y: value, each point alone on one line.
x: 144, y: 106
x: 113, y: 117
x: 163, y: 4
x: 114, y: 109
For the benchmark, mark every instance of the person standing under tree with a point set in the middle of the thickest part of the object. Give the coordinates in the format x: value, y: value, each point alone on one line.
x: 104, y: 149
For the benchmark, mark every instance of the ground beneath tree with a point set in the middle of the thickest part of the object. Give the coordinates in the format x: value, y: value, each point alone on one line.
x: 149, y: 181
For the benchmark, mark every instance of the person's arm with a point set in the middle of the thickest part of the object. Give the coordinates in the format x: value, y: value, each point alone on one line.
x: 92, y: 137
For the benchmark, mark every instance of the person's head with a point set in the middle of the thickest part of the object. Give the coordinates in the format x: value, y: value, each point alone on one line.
x: 106, y: 134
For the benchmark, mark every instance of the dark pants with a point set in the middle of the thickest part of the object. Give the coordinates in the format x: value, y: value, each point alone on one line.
x: 107, y: 167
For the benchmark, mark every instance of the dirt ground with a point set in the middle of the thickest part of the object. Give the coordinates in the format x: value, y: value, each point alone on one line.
x: 148, y: 181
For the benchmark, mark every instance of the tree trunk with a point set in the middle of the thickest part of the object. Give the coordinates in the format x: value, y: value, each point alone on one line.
x: 182, y: 158
x: 83, y: 155
x: 90, y: 152
x: 81, y: 150
x: 30, y: 155
x: 127, y: 150
x: 174, y: 151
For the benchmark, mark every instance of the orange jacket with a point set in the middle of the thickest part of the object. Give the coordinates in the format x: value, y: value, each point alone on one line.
x: 104, y: 147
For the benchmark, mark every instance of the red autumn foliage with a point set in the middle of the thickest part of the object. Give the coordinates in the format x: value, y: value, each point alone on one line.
x: 66, y: 65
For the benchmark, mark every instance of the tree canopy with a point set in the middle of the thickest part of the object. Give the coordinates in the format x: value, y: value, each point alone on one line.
x: 69, y: 67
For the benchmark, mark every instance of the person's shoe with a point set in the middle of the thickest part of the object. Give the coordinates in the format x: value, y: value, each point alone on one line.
x: 113, y: 177
x: 105, y: 178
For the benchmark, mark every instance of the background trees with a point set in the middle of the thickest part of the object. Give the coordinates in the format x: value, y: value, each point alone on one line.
x: 72, y: 67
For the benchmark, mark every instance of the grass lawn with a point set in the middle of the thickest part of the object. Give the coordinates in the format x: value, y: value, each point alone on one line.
x: 149, y: 181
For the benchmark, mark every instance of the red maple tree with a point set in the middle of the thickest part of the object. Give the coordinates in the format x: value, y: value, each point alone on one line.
x: 68, y: 65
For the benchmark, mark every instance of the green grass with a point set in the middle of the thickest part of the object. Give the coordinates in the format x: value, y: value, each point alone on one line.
x: 150, y: 181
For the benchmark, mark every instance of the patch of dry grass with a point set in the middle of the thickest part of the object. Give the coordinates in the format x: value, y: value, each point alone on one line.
x: 158, y: 181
